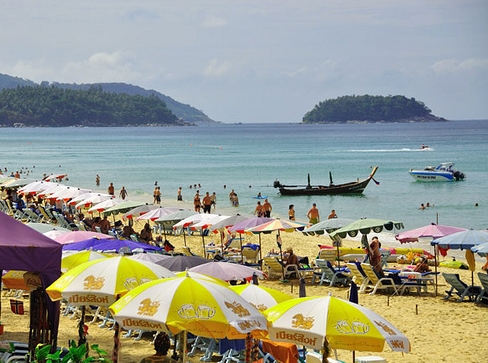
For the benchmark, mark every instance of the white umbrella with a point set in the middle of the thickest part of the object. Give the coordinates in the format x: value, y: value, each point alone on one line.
x: 157, y: 213
x: 94, y: 199
x: 100, y: 207
x: 35, y: 187
x: 69, y: 193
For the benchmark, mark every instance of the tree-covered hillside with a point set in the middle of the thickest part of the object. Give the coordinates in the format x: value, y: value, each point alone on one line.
x: 57, y: 107
x: 183, y: 111
x: 370, y: 109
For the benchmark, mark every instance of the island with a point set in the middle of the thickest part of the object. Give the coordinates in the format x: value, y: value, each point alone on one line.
x: 39, y: 106
x: 366, y: 108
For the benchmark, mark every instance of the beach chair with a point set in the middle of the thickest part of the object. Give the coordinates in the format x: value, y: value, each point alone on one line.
x: 358, y: 276
x: 328, y: 255
x: 483, y: 295
x: 380, y: 283
x: 251, y: 256
x: 274, y: 267
x: 460, y: 288
x: 328, y: 274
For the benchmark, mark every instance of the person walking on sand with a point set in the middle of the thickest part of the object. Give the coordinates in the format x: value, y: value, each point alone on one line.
x: 111, y: 189
x: 313, y: 214
x: 123, y: 193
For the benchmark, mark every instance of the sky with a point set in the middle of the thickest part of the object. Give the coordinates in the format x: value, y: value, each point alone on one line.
x: 258, y: 60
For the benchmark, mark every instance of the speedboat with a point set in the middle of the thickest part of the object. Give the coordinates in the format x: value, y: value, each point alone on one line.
x: 442, y: 172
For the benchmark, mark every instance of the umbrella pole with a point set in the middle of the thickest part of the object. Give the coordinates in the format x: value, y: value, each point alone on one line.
x: 436, y: 251
x: 278, y: 242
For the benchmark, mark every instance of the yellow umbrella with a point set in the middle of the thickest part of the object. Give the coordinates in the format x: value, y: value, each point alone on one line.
x: 260, y: 297
x: 310, y: 321
x: 200, y: 306
x: 100, y: 282
x: 73, y: 259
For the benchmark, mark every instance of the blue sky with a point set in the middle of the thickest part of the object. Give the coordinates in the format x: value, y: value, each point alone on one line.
x: 259, y: 60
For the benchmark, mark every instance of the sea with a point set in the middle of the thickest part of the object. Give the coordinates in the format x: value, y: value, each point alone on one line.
x: 249, y: 157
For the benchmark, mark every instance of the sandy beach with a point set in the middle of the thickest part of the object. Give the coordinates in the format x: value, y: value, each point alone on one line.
x: 438, y: 330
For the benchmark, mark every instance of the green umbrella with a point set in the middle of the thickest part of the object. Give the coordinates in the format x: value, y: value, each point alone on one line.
x: 365, y: 226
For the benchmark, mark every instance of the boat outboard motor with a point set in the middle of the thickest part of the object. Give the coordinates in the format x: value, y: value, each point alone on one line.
x: 458, y: 175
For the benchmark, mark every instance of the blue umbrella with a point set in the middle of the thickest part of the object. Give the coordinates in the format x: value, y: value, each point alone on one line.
x: 463, y: 240
x: 481, y: 249
x: 124, y: 244
x: 109, y: 245
x: 84, y: 245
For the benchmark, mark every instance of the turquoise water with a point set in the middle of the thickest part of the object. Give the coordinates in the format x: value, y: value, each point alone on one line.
x: 249, y: 157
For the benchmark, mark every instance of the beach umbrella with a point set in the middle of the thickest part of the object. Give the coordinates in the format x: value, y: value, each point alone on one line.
x: 102, y: 206
x: 182, y: 263
x: 16, y: 183
x: 76, y: 236
x: 260, y: 297
x: 137, y: 211
x: 151, y: 257
x: 157, y: 213
x: 327, y: 226
x: 86, y: 244
x: 68, y: 193
x: 101, y: 282
x: 228, y: 222
x: 463, y: 240
x: 35, y: 187
x: 74, y: 201
x: 169, y: 220
x: 242, y: 227
x: 227, y: 271
x: 110, y: 245
x: 430, y: 231
x: 366, y: 226
x: 126, y: 246
x: 93, y: 200
x: 199, y: 306
x: 275, y: 225
x: 54, y: 188
x: 197, y: 275
x: 56, y: 177
x: 122, y: 207
x: 55, y: 233
x: 46, y: 227
x: 311, y: 321
x: 73, y: 259
x: 481, y: 249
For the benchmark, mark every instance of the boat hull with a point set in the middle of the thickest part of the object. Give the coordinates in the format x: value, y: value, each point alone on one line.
x: 332, y: 189
x: 421, y: 175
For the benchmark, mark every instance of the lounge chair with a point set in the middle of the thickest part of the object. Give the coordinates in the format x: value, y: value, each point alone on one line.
x: 358, y: 276
x: 328, y: 274
x: 379, y: 283
x: 251, y: 256
x: 460, y: 288
x: 483, y: 295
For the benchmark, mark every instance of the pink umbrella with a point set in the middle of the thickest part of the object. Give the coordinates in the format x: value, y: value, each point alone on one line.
x: 76, y: 236
x: 227, y: 271
x: 241, y: 227
x: 432, y: 230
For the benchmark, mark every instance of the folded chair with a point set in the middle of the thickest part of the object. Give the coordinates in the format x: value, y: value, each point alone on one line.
x: 460, y: 288
x: 483, y: 295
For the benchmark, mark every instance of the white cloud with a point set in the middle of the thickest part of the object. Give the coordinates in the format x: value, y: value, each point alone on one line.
x: 212, y: 21
x: 454, y: 66
x: 217, y: 68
